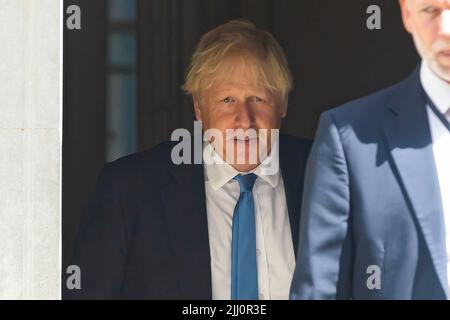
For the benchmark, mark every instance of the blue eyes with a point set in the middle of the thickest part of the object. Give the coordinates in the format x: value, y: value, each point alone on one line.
x: 253, y: 99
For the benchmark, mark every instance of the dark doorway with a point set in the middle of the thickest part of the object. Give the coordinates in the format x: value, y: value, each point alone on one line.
x: 124, y: 68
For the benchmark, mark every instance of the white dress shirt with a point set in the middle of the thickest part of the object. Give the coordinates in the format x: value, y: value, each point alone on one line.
x: 275, y: 253
x: 439, y: 92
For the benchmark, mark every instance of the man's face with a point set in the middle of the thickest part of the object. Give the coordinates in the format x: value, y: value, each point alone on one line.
x: 237, y: 101
x: 429, y: 23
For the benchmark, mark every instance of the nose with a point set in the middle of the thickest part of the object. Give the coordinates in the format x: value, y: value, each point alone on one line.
x: 445, y: 23
x: 244, y: 117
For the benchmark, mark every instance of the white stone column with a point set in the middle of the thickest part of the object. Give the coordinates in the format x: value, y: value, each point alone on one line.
x: 30, y: 149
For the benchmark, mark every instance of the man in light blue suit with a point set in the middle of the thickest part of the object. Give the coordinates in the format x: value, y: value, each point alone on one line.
x: 376, y: 206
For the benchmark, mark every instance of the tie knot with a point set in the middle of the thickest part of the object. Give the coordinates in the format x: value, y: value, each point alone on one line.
x: 246, y: 181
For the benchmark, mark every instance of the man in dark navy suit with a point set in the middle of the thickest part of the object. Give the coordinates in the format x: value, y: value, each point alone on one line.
x: 214, y: 230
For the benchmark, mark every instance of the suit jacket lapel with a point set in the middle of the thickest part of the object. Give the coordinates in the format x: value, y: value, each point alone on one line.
x: 409, y: 139
x: 188, y: 226
x: 185, y: 210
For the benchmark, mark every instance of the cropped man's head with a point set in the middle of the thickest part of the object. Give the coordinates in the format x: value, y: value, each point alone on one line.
x: 239, y: 79
x: 429, y: 23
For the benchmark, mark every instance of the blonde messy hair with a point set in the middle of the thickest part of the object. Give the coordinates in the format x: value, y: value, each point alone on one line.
x: 239, y: 38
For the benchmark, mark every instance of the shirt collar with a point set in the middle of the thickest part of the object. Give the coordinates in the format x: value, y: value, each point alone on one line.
x: 218, y: 173
x: 437, y: 89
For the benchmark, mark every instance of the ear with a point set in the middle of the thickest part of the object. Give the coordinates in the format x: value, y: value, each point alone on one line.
x: 198, y: 112
x: 406, y: 15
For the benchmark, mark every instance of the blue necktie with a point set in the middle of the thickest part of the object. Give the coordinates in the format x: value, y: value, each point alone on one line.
x: 244, y: 272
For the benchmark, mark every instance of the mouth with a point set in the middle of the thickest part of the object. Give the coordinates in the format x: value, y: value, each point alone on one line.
x: 242, y: 138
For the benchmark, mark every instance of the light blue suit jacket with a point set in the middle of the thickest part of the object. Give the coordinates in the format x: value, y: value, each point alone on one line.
x: 372, y: 198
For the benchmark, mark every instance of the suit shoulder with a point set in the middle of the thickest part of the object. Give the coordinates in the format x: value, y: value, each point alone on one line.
x: 150, y: 161
x: 365, y: 109
x: 160, y: 152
